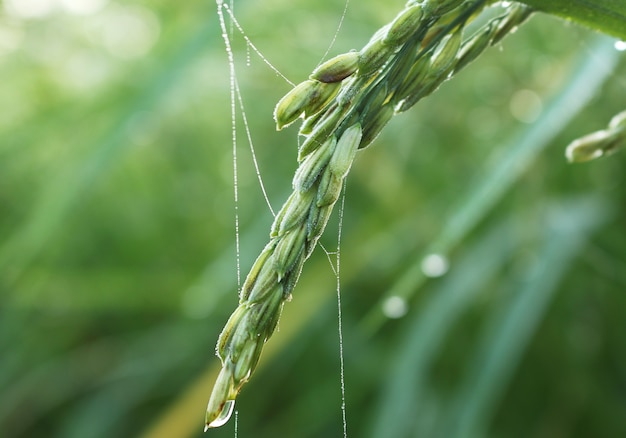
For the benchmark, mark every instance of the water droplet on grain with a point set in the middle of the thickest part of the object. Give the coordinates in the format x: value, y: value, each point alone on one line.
x: 435, y: 265
x: 620, y: 45
x: 224, y: 416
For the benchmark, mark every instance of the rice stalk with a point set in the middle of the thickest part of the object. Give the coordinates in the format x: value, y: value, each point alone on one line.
x: 345, y: 104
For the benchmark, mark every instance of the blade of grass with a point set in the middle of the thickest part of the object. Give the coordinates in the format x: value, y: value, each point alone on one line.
x: 400, y: 402
x: 510, y: 329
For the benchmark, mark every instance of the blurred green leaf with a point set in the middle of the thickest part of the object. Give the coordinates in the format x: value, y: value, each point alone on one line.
x: 607, y: 16
x: 403, y: 399
x: 76, y: 179
x: 511, y: 328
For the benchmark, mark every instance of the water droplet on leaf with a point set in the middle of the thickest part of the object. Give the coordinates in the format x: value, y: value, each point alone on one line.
x: 435, y: 265
x: 395, y: 307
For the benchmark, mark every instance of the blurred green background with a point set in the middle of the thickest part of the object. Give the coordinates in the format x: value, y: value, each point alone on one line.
x: 117, y: 251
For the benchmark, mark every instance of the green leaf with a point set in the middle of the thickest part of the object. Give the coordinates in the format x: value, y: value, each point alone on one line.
x: 608, y: 16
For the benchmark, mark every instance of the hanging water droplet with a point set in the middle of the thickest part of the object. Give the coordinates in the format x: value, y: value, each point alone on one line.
x: 247, y: 54
x: 620, y: 45
x: 224, y: 415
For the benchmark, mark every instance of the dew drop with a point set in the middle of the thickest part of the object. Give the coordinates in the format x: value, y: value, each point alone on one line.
x: 395, y: 307
x: 224, y: 415
x: 435, y: 265
x: 620, y: 45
